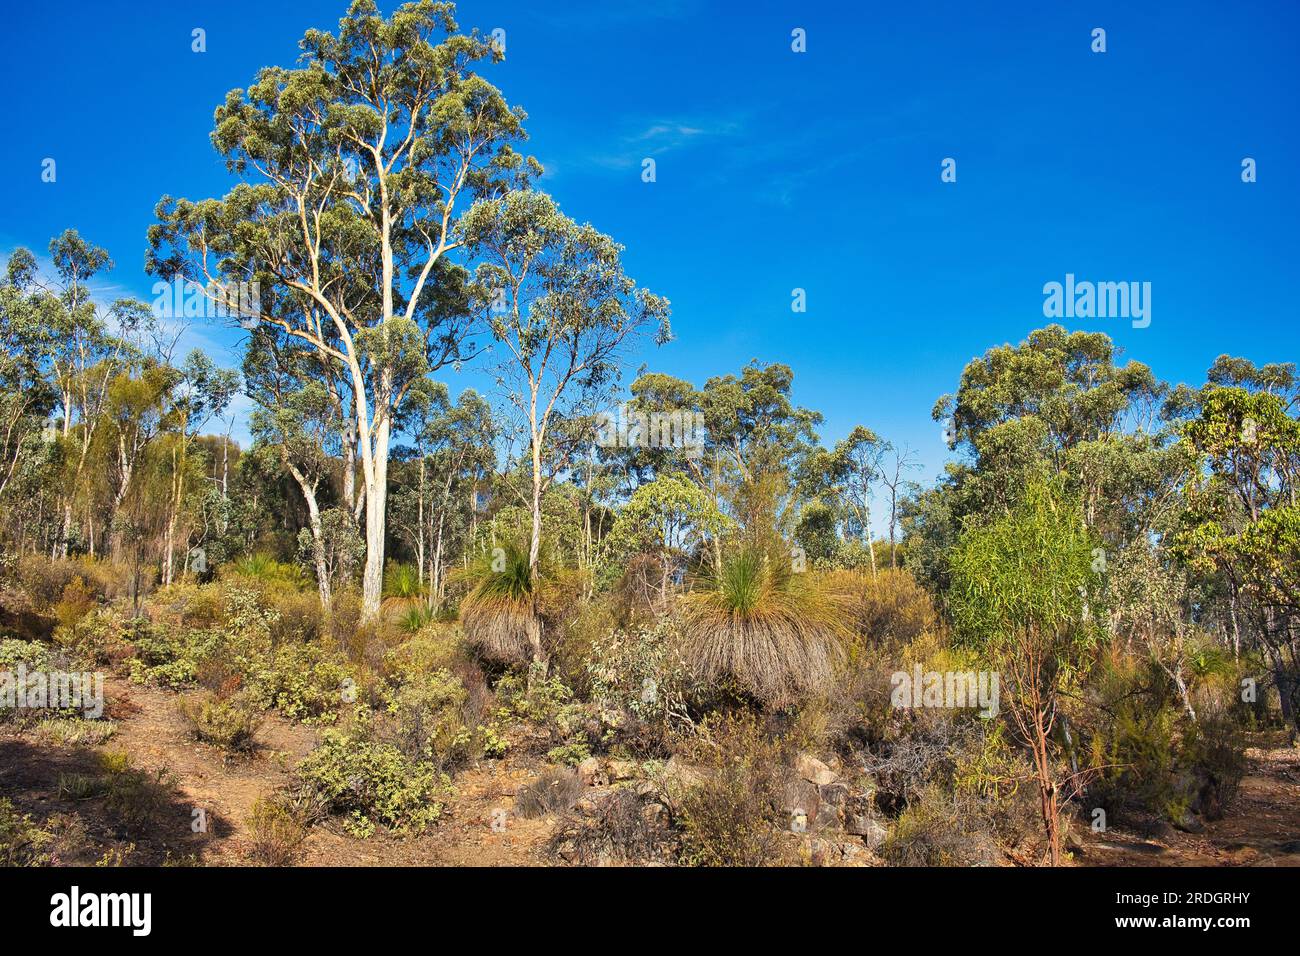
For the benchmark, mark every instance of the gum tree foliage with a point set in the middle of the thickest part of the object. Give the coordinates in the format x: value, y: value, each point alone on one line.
x: 1243, y: 519
x: 26, y: 397
x: 452, y: 446
x: 1021, y: 587
x: 667, y: 520
x: 564, y: 311
x: 357, y: 165
x: 297, y: 418
x: 1056, y: 404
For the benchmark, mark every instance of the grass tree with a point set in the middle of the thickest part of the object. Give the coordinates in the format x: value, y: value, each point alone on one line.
x: 754, y: 620
x: 564, y: 310
x: 357, y: 165
x: 1019, y: 592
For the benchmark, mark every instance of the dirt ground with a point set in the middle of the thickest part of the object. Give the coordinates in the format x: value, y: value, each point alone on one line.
x: 481, y: 830
x: 1260, y: 827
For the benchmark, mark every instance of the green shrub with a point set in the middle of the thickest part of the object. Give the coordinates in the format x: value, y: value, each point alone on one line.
x: 22, y: 843
x: 226, y: 723
x: 427, y: 720
x: 373, y: 783
x: 277, y: 831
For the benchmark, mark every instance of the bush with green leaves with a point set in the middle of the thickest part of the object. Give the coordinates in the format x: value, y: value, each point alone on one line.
x: 22, y: 842
x: 426, y: 720
x: 372, y: 783
x: 229, y: 723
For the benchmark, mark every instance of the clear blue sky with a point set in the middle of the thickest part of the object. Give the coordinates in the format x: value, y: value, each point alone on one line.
x: 779, y: 170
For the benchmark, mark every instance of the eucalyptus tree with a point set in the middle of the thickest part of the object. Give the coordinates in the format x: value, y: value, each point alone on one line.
x: 86, y: 353
x: 564, y: 310
x: 26, y: 395
x: 358, y: 164
x: 200, y: 390
x: 1244, y: 518
x: 297, y: 418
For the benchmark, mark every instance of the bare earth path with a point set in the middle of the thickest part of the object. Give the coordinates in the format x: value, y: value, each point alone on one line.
x: 1261, y: 826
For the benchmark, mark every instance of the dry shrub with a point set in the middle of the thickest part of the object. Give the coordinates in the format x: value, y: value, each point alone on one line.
x: 43, y: 579
x: 225, y: 723
x: 888, y: 609
x: 733, y: 816
x: 136, y: 798
x: 75, y: 603
x: 626, y: 828
x: 300, y: 616
x: 345, y: 615
x: 937, y: 830
x: 277, y: 830
x: 555, y: 791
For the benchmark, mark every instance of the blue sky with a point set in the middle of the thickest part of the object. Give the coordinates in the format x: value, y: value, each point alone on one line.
x: 778, y: 170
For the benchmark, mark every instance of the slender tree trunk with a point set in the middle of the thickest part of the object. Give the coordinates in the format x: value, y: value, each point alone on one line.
x: 376, y: 491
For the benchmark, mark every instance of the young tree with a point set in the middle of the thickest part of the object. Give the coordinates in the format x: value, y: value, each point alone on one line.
x: 1020, y: 587
x: 564, y: 310
x: 360, y: 160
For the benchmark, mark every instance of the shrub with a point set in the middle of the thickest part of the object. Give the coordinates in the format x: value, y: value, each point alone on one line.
x: 935, y: 830
x: 497, y: 611
x: 373, y: 783
x: 756, y: 622
x: 888, y: 609
x: 22, y: 843
x: 625, y: 828
x: 137, y: 798
x: 304, y: 682
x: 277, y: 831
x: 226, y: 723
x: 553, y: 792
x: 732, y: 817
x: 428, y: 720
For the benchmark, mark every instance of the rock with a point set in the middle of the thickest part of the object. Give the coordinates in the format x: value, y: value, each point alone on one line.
x: 820, y: 852
x: 590, y: 773
x: 1189, y: 822
x: 813, y: 770
x: 836, y: 794
x: 853, y: 854
x: 800, y: 795
x: 653, y: 812
x: 622, y: 770
x: 829, y: 817
x: 873, y: 832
